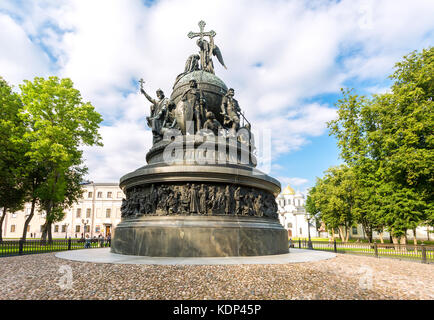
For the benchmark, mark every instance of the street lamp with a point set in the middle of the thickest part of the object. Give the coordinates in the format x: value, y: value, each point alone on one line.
x: 85, y: 223
x: 66, y: 230
x: 309, y: 242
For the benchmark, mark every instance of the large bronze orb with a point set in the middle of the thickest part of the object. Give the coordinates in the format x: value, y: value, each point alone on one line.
x: 213, y: 89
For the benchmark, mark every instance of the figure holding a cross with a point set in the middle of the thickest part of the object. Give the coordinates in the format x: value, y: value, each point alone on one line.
x: 159, y: 108
x: 207, y: 49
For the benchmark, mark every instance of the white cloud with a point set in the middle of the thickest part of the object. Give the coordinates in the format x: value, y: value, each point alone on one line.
x: 19, y: 58
x: 292, y: 181
x: 279, y: 54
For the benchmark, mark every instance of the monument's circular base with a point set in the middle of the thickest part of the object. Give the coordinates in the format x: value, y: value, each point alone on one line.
x: 200, y: 236
x: 103, y: 255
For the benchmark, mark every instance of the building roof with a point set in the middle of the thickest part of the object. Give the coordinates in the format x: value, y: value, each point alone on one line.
x: 288, y: 190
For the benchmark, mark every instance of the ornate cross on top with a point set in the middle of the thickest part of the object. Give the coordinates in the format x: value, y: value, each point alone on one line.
x: 141, y: 82
x: 201, y: 33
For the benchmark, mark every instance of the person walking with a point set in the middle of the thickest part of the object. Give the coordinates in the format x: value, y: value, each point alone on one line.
x: 87, y: 242
x: 101, y: 240
x: 109, y: 240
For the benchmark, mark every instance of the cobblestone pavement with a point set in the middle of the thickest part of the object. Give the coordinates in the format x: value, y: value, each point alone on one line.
x: 40, y: 276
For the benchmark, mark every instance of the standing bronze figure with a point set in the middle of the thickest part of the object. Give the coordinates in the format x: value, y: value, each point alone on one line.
x: 193, y: 99
x: 158, y: 112
x: 231, y: 110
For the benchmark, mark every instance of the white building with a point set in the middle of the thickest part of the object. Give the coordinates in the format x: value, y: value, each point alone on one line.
x: 100, y: 209
x: 293, y: 215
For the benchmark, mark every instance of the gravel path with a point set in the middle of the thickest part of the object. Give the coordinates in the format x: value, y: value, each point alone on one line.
x: 344, y: 277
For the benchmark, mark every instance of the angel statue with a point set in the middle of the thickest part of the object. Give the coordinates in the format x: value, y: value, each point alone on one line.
x: 207, y: 49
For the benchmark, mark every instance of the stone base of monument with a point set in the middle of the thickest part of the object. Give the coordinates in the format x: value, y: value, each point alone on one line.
x: 103, y: 255
x: 200, y: 236
x: 183, y: 210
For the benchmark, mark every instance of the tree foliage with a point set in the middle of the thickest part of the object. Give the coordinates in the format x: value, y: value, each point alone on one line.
x: 58, y: 123
x: 52, y: 124
x: 387, y: 140
x: 333, y: 198
x: 12, y: 193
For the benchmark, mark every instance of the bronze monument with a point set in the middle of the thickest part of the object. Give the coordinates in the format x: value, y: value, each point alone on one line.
x: 200, y: 194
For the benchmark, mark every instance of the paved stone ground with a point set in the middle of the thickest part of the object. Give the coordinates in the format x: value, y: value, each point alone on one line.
x: 344, y: 277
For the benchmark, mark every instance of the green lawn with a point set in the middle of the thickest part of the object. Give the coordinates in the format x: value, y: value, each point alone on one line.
x: 402, y: 253
x: 410, y: 242
x: 7, y: 249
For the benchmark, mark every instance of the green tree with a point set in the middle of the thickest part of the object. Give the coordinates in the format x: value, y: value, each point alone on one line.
x: 333, y: 196
x: 58, y: 123
x: 312, y: 210
x: 387, y: 140
x: 68, y: 191
x: 12, y: 195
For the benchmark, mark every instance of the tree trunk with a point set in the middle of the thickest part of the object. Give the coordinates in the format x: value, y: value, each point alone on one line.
x: 29, y: 218
x: 47, y: 232
x: 414, y: 237
x: 341, y: 233
x: 333, y: 234
x: 395, y: 242
x: 380, y: 234
x: 368, y: 232
x: 370, y: 236
x: 44, y: 232
x: 1, y: 223
x: 403, y: 243
x: 50, y: 236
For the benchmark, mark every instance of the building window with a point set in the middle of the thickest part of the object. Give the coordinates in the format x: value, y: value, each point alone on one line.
x: 97, y: 229
x: 88, y: 212
x: 119, y: 195
x: 108, y: 213
x: 56, y: 228
x: 354, y: 230
x: 89, y: 194
x: 99, y: 195
x: 77, y: 228
x: 87, y: 228
x: 109, y: 194
x: 78, y: 213
x: 12, y: 228
x: 289, y: 225
x: 118, y: 212
x: 64, y: 228
x: 301, y: 230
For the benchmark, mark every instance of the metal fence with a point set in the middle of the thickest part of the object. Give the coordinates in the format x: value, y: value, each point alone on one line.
x: 422, y: 253
x: 31, y: 246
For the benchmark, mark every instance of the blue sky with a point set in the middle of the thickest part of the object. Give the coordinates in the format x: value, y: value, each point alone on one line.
x: 287, y: 61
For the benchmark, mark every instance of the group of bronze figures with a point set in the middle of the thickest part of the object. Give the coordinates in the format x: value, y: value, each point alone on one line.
x: 162, y: 117
x: 198, y: 199
x: 193, y: 107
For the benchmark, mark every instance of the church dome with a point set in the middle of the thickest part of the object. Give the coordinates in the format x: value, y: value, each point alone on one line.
x: 288, y: 191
